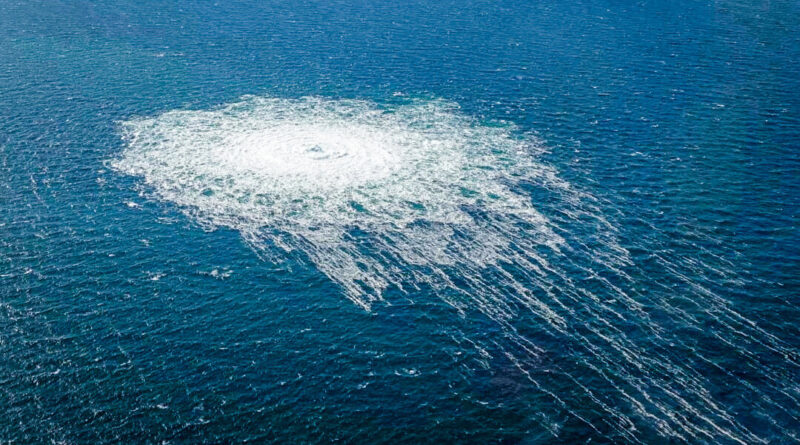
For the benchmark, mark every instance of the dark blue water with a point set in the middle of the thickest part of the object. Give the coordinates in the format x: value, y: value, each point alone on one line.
x: 666, y: 313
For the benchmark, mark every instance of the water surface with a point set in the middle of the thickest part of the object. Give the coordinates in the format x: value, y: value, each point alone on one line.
x: 524, y: 222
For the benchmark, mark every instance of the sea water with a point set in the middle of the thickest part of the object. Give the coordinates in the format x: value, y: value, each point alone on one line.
x: 374, y: 222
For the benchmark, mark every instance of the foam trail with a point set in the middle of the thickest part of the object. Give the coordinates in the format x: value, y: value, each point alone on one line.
x: 419, y: 195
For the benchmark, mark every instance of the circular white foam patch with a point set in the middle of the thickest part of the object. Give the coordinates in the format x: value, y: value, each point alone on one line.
x: 431, y: 186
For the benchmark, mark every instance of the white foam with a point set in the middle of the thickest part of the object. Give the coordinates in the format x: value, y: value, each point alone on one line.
x: 304, y: 173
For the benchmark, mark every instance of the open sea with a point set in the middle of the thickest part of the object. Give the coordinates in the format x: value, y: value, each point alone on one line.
x: 370, y: 221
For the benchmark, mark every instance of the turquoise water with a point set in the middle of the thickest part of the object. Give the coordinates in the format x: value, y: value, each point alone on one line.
x: 518, y: 222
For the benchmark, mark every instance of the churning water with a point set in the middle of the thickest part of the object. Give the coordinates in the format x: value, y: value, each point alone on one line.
x: 425, y: 185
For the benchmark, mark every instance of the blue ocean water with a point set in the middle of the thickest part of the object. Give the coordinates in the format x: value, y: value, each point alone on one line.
x: 381, y: 222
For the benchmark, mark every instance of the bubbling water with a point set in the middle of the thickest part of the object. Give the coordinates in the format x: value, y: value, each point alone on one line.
x: 311, y: 170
